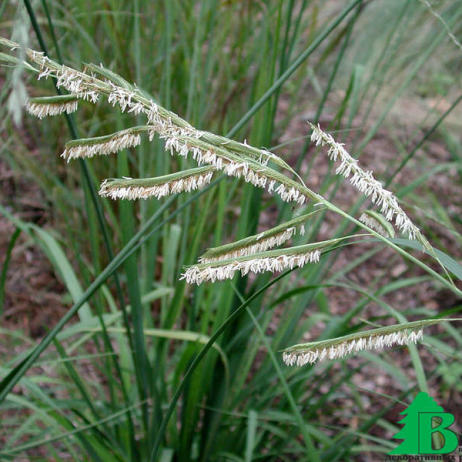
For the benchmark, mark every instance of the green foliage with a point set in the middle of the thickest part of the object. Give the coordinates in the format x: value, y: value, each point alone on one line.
x: 194, y: 373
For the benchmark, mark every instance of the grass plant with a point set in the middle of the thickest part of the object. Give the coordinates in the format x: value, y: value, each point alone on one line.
x: 187, y: 345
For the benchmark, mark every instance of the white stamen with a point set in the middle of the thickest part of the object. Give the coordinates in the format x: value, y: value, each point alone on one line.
x: 160, y: 190
x: 90, y: 96
x: 43, y: 110
x: 197, y: 274
x: 119, y: 141
x: 261, y: 246
x: 175, y: 143
x: 365, y: 182
x: 340, y: 350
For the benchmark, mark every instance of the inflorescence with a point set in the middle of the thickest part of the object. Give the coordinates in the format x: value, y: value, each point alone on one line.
x: 198, y: 274
x: 44, y: 107
x: 249, y: 255
x: 365, y: 182
x: 319, y: 351
x: 129, y: 188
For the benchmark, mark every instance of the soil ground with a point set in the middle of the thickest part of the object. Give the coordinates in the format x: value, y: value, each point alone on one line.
x: 35, y: 299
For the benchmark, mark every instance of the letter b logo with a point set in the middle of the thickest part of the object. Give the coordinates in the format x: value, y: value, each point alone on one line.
x: 421, y: 433
x: 447, y: 438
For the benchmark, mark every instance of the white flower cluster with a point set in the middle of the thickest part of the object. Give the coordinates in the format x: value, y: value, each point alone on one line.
x: 160, y: 190
x: 264, y: 243
x: 66, y: 77
x: 44, y: 62
x: 365, y: 182
x: 90, y: 95
x: 374, y: 224
x: 243, y: 170
x: 43, y: 110
x: 287, y: 194
x: 121, y: 140
x: 173, y: 134
x: 198, y: 274
x: 340, y: 350
x: 176, y: 136
x: 73, y: 82
x: 125, y: 99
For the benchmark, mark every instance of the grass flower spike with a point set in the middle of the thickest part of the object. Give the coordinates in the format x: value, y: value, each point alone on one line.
x: 272, y: 261
x: 377, y: 222
x: 250, y: 170
x: 51, y: 106
x: 340, y: 347
x: 260, y: 245
x: 184, y: 181
x: 198, y: 274
x: 366, y: 183
x: 259, y: 242
x: 103, y: 145
x: 317, y: 353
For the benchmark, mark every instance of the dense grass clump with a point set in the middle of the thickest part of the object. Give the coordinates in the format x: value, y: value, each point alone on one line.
x: 248, y: 130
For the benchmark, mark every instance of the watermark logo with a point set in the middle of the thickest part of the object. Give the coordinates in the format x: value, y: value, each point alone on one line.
x: 425, y: 429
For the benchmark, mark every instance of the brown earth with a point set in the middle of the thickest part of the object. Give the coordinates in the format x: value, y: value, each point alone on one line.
x: 35, y: 299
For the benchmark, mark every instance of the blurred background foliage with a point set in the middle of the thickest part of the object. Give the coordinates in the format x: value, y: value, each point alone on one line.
x: 383, y: 78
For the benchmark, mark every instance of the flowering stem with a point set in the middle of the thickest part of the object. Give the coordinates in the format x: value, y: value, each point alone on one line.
x: 198, y: 358
x: 449, y: 284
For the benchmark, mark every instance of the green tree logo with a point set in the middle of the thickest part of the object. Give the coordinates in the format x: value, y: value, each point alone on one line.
x: 425, y: 426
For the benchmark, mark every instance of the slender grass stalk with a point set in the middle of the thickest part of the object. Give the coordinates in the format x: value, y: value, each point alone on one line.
x: 209, y: 423
x: 422, y: 140
x: 293, y: 67
x: 311, y: 452
x: 94, y: 199
x: 199, y: 357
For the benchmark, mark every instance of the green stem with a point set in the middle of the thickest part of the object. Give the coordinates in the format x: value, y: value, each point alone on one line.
x: 422, y: 140
x: 294, y: 66
x: 198, y: 358
x: 312, y: 453
x: 387, y: 241
x: 94, y: 199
